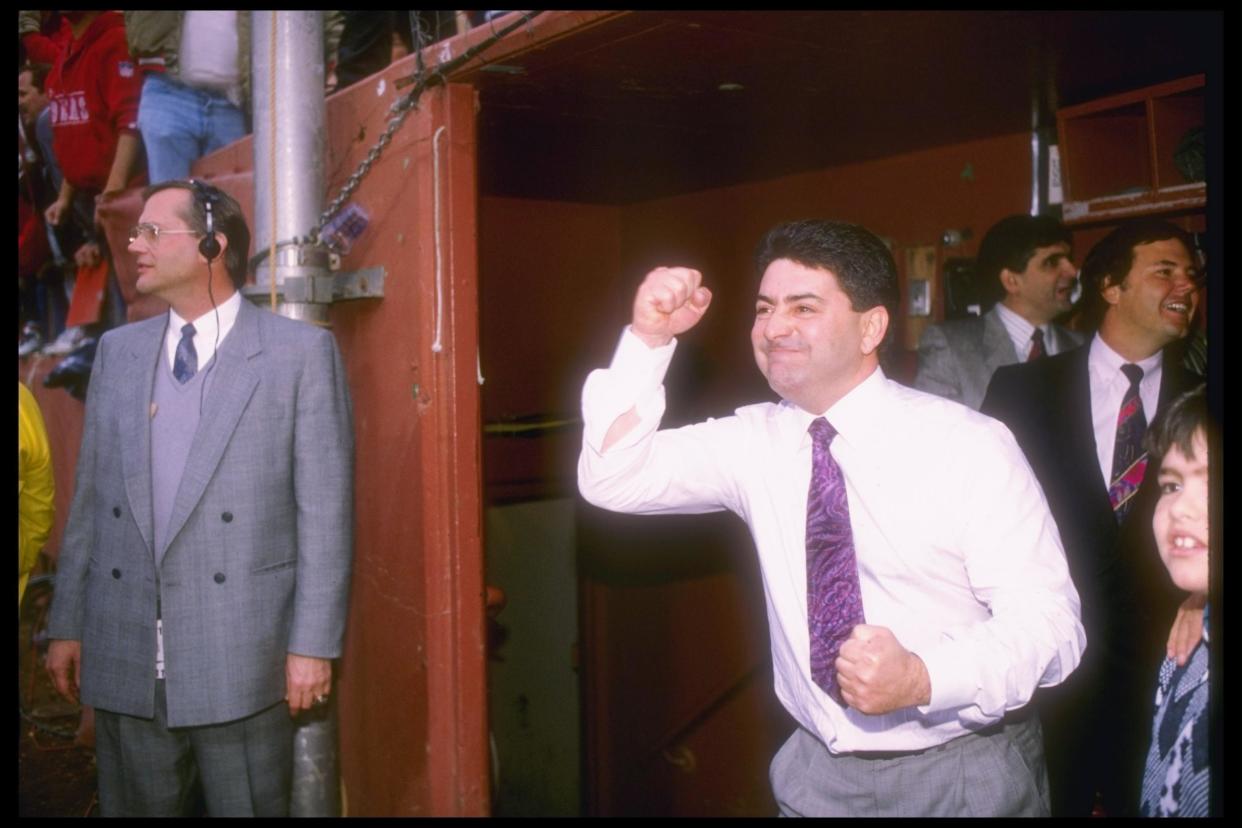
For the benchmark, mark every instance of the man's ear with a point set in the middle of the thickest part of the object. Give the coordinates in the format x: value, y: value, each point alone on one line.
x: 1111, y: 291
x: 1009, y: 280
x: 874, y: 323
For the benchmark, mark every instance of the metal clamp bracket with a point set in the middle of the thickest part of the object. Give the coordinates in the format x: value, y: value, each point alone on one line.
x: 312, y: 285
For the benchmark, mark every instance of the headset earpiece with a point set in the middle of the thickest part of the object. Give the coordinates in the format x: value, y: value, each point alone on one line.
x: 210, y: 245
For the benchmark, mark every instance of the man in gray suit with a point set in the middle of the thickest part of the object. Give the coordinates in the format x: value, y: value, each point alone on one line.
x: 204, y: 575
x: 1024, y: 266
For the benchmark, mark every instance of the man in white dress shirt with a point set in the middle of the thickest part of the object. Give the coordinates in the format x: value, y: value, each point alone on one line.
x: 966, y: 598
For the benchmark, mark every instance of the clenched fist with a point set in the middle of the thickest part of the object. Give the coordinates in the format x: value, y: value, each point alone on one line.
x: 878, y: 675
x: 670, y: 301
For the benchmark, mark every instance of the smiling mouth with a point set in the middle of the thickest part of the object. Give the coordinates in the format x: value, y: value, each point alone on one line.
x: 1186, y: 545
x: 1177, y: 306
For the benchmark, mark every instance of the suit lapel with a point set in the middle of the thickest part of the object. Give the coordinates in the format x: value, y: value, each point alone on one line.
x: 1081, y: 422
x: 997, y: 346
x: 1175, y: 379
x: 1063, y: 340
x: 142, y: 358
x: 233, y: 381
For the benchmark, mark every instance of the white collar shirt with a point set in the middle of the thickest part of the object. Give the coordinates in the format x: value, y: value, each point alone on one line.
x: 958, y: 554
x: 1108, y: 389
x: 1020, y: 331
x: 205, y: 340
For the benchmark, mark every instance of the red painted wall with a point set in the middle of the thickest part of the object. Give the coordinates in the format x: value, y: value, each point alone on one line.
x: 557, y: 280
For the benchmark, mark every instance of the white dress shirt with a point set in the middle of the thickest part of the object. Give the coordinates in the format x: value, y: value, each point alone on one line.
x: 1020, y: 331
x: 205, y: 341
x: 958, y: 554
x: 1108, y: 389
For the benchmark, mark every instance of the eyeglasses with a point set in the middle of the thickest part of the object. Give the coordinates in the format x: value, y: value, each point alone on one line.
x: 151, y: 233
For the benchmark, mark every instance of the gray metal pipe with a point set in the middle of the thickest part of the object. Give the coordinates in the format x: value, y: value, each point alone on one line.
x: 287, y: 88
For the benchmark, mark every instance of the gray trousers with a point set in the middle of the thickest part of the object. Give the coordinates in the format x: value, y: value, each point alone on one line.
x: 145, y: 768
x: 998, y: 774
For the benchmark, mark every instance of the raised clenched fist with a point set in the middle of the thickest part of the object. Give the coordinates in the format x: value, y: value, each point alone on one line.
x: 670, y: 301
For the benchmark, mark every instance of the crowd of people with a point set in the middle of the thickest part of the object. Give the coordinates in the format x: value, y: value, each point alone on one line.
x: 967, y: 611
x: 106, y: 97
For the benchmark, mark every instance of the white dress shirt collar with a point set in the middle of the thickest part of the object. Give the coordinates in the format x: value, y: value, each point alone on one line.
x: 1105, y: 364
x: 205, y: 339
x: 1020, y: 331
x: 850, y: 416
x: 1108, y: 389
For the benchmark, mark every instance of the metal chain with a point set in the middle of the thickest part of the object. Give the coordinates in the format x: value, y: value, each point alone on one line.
x: 398, y: 112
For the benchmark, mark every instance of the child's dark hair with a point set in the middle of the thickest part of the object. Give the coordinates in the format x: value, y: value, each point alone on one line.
x: 1177, y: 424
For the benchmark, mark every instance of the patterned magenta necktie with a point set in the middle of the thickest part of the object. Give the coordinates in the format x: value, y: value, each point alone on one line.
x: 833, y: 596
x: 1037, y: 346
x: 1129, y: 459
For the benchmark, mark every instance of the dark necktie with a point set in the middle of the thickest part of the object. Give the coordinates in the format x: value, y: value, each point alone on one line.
x: 833, y: 596
x: 1129, y: 459
x: 185, y: 363
x: 1037, y: 346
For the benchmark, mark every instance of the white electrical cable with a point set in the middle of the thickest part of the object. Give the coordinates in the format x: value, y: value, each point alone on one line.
x: 436, y: 346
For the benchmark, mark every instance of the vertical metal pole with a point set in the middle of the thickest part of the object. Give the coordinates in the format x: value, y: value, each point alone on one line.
x: 1043, y: 118
x: 287, y: 89
x: 288, y: 94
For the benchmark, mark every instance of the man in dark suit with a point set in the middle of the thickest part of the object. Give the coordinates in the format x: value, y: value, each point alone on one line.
x: 1076, y: 417
x: 1025, y: 271
x: 203, y: 579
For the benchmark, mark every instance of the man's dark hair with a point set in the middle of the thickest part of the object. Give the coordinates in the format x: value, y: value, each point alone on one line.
x: 38, y: 74
x: 862, y: 264
x: 1010, y: 244
x: 1177, y: 423
x: 1109, y: 262
x: 227, y: 219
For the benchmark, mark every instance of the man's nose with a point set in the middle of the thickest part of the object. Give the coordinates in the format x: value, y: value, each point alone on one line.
x: 1184, y: 280
x: 776, y: 326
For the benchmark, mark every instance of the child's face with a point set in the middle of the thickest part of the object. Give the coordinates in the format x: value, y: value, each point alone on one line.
x: 1181, y: 519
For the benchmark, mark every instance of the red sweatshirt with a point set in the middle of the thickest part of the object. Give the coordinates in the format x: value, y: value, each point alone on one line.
x: 43, y: 48
x: 93, y: 92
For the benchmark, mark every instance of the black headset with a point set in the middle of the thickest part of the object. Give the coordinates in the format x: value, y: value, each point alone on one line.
x: 210, y: 245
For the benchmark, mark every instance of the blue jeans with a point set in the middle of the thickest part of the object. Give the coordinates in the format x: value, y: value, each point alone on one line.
x: 180, y: 124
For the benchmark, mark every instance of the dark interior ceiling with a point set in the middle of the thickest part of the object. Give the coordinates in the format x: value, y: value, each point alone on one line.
x: 650, y: 104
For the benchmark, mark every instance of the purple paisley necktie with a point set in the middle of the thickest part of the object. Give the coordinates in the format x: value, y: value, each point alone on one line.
x: 833, y: 597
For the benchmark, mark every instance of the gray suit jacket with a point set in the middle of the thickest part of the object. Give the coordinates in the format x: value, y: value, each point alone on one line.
x: 260, y: 538
x: 957, y: 358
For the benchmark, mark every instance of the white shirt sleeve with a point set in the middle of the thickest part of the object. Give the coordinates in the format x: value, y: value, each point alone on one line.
x: 1014, y: 565
x: 684, y: 470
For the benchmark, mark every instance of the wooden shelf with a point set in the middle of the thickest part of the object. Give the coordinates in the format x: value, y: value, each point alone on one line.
x: 1117, y: 153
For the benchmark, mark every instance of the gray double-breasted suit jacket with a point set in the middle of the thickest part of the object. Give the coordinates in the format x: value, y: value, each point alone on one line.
x: 958, y: 357
x: 259, y: 550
